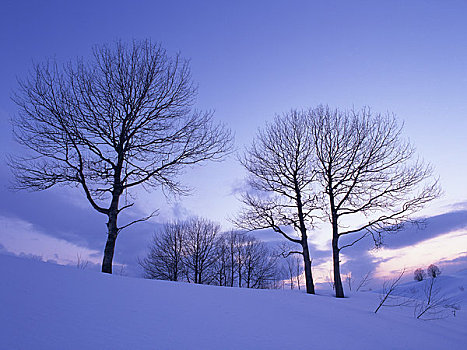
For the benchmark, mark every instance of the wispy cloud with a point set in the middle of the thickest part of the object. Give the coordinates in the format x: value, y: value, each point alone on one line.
x: 20, y: 237
x: 442, y: 240
x: 444, y: 248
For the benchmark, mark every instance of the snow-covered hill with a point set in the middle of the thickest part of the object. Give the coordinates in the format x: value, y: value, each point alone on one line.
x: 44, y: 306
x: 452, y: 288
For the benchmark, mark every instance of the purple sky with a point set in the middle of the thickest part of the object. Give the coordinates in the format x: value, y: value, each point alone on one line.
x: 252, y: 59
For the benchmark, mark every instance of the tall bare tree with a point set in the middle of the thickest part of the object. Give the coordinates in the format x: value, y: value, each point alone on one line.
x: 281, y: 174
x: 293, y: 269
x: 222, y: 266
x: 165, y: 258
x: 370, y: 175
x: 229, y: 246
x: 199, y: 250
x: 123, y: 119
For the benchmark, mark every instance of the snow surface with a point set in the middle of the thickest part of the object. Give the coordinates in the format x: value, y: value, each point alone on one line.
x: 46, y: 306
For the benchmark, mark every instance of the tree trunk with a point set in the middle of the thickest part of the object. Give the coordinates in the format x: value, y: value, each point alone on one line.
x: 310, y: 287
x: 109, y: 253
x: 110, y: 245
x: 335, y: 245
x: 112, y: 226
x: 239, y: 276
x: 232, y: 266
x: 298, y: 275
x: 336, y: 264
x: 196, y: 270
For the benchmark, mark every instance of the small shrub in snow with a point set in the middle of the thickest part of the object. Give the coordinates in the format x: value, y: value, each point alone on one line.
x: 433, y: 271
x: 80, y: 263
x: 419, y: 275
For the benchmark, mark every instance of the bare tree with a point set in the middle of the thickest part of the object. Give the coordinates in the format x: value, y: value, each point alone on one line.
x: 434, y: 304
x: 330, y: 279
x: 369, y: 173
x: 258, y: 264
x: 221, y: 265
x: 298, y: 272
x: 199, y: 250
x: 165, y: 258
x: 387, y: 295
x: 244, y: 261
x: 294, y: 270
x: 349, y: 280
x: 232, y: 243
x: 122, y: 271
x: 121, y: 120
x: 80, y: 263
x: 281, y: 172
x: 364, y: 281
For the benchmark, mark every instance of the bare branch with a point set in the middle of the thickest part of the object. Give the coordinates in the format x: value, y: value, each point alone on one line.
x: 387, y: 294
x: 146, y: 218
x: 364, y: 281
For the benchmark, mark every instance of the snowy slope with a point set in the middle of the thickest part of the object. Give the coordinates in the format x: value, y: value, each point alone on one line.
x: 46, y: 306
x: 450, y: 287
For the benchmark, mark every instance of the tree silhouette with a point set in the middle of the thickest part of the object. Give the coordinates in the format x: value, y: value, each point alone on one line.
x: 121, y: 120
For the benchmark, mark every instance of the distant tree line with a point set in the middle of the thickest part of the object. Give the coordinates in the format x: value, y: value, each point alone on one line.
x: 196, y: 251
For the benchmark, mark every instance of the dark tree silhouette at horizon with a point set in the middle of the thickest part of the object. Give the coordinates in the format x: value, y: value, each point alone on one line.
x: 195, y: 251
